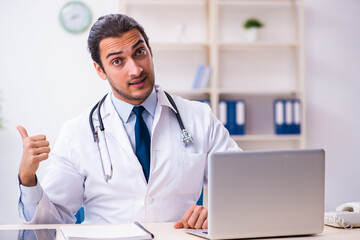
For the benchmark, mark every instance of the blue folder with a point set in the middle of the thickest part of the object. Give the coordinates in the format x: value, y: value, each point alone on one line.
x: 232, y: 115
x: 287, y: 116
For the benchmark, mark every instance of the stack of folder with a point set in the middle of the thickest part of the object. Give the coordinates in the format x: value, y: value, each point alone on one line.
x: 232, y: 115
x: 287, y: 116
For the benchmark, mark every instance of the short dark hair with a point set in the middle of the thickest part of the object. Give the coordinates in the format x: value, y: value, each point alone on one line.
x: 111, y: 25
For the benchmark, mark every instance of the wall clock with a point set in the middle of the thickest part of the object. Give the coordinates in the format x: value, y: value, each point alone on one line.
x: 75, y: 17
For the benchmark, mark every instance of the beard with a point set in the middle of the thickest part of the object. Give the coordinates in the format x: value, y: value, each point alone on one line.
x: 130, y: 97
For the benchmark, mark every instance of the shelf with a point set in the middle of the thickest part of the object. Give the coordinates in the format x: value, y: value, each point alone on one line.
x: 182, y: 45
x: 165, y: 2
x: 191, y: 93
x: 255, y: 1
x: 258, y: 92
x: 258, y: 45
x: 270, y: 137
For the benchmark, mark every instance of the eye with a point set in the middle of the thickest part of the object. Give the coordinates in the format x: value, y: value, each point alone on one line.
x: 116, y: 62
x: 140, y: 51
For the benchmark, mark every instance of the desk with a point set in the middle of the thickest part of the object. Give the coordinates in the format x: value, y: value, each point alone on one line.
x: 165, y: 231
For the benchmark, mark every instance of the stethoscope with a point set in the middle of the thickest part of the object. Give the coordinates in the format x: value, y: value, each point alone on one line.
x: 98, y: 133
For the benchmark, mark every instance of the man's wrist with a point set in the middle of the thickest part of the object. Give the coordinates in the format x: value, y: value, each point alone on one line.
x: 27, y: 181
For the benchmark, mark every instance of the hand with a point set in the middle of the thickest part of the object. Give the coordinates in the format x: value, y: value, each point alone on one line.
x: 195, y: 217
x: 35, y: 150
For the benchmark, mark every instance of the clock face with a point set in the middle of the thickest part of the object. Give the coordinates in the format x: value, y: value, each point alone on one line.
x: 75, y: 17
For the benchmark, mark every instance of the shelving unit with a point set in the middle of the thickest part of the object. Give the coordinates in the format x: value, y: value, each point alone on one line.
x: 186, y: 33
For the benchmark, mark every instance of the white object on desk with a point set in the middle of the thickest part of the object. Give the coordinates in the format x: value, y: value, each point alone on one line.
x: 128, y: 231
x: 346, y: 216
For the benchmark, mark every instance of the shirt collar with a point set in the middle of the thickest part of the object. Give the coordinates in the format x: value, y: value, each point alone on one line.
x: 124, y: 109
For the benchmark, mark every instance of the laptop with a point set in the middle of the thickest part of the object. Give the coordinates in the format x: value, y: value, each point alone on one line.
x: 255, y: 194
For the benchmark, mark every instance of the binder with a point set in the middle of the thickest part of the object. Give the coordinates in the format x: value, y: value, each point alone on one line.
x: 222, y: 112
x: 297, y: 117
x: 205, y: 78
x: 240, y: 117
x: 287, y: 119
x: 232, y: 115
x: 198, y: 76
x: 279, y: 117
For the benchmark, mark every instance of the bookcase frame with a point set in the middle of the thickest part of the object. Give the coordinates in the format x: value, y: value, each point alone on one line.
x: 283, y: 42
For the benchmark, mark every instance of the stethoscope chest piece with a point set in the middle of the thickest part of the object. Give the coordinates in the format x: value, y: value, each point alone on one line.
x: 186, y: 137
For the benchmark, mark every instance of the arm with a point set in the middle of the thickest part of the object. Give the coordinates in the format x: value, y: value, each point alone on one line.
x: 28, y: 201
x: 61, y: 195
x: 35, y: 150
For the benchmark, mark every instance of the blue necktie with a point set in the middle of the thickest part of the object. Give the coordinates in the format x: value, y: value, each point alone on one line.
x: 142, y: 141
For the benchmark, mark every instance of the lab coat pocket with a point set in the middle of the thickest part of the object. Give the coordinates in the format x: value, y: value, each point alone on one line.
x: 191, y: 172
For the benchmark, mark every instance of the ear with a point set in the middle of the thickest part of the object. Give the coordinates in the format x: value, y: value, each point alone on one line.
x: 99, y: 71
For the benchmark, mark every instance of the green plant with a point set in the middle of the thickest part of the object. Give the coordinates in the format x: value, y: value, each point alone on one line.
x: 252, y: 22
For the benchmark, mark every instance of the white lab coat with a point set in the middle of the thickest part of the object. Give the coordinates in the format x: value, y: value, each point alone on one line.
x: 177, y: 173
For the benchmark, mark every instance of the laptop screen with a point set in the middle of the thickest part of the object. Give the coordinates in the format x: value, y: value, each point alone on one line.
x: 266, y: 193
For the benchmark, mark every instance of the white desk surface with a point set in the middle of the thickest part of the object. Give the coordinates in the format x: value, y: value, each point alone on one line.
x: 165, y: 231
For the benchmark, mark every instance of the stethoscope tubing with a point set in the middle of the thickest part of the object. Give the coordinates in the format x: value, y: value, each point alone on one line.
x: 177, y: 114
x: 186, y: 136
x: 91, y: 121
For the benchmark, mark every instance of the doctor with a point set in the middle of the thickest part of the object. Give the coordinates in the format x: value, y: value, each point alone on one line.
x: 144, y: 172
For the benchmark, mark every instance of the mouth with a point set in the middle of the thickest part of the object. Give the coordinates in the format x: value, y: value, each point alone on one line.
x: 138, y: 82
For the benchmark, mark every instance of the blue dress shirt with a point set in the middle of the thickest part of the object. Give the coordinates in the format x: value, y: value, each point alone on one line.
x: 128, y: 118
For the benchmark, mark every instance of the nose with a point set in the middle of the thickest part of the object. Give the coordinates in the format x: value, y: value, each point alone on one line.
x: 134, y: 68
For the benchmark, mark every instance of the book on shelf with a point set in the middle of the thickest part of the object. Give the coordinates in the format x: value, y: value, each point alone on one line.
x: 202, y: 77
x: 287, y: 116
x: 198, y: 75
x: 232, y: 115
x: 204, y: 82
x: 124, y: 231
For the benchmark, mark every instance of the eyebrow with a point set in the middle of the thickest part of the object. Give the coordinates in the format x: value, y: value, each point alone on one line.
x: 119, y: 52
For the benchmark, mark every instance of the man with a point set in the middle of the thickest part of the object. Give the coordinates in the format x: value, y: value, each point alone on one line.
x: 147, y: 182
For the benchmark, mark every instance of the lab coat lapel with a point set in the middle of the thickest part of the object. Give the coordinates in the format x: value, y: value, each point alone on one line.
x: 155, y: 138
x: 164, y: 166
x: 121, y: 147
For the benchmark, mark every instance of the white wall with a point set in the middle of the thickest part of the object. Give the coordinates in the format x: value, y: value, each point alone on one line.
x: 333, y: 97
x: 47, y: 77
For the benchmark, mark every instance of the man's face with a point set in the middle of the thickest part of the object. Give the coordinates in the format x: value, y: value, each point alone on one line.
x: 128, y: 66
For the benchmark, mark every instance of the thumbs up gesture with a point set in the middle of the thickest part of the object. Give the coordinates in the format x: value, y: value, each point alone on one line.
x: 35, y: 150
